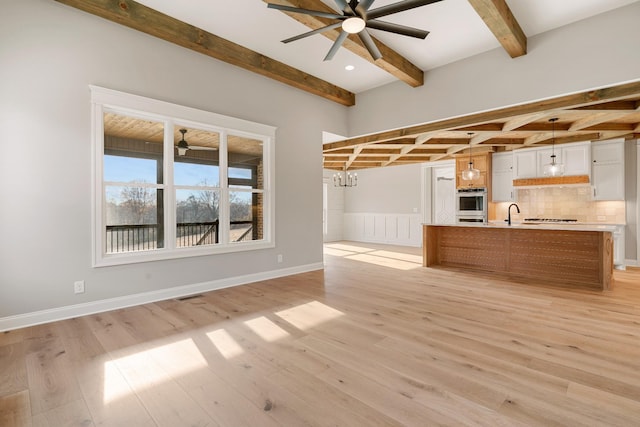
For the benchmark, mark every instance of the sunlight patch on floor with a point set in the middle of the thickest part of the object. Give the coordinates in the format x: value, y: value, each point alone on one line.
x: 336, y: 252
x: 147, y: 368
x: 416, y: 259
x: 115, y: 386
x: 345, y: 247
x: 385, y: 262
x: 266, y: 329
x: 308, y: 315
x: 225, y: 344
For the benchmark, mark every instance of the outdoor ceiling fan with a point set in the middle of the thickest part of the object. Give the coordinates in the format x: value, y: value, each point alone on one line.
x: 182, y: 145
x: 356, y: 18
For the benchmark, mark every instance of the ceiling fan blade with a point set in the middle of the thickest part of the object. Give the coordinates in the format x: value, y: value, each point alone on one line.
x: 397, y: 28
x: 368, y: 42
x: 344, y: 6
x: 305, y: 11
x: 200, y: 148
x: 398, y: 7
x: 310, y: 33
x: 363, y: 7
x: 336, y: 45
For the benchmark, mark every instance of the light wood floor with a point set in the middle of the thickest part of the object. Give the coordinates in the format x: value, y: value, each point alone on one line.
x: 375, y: 340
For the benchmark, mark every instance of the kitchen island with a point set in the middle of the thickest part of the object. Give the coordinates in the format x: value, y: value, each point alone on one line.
x: 575, y: 255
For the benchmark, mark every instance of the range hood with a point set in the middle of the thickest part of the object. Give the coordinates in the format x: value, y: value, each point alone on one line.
x: 553, y: 181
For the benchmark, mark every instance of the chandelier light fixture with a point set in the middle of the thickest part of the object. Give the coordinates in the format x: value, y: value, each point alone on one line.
x: 553, y: 168
x: 345, y: 179
x: 470, y: 173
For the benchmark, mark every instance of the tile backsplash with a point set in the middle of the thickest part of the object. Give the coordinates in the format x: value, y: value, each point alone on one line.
x: 563, y: 203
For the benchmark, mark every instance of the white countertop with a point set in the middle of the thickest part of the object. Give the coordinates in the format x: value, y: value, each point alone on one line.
x: 537, y: 226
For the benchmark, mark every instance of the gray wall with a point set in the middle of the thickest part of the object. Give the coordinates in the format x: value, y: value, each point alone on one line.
x: 50, y: 53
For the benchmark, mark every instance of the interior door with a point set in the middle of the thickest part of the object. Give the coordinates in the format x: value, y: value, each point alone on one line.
x: 444, y: 195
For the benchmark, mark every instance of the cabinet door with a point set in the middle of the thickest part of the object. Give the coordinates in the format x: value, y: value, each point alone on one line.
x: 502, y: 177
x: 608, y: 152
x: 524, y: 164
x: 607, y: 170
x: 577, y: 160
x: 608, y: 181
x: 618, y: 246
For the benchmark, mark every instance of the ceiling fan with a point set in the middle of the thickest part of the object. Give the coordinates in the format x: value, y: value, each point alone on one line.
x: 182, y: 145
x: 356, y: 18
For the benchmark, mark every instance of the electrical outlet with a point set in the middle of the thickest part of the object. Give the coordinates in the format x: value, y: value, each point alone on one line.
x: 78, y: 287
x: 280, y: 258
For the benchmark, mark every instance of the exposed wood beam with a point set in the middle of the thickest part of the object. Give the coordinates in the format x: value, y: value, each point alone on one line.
x: 517, y: 122
x: 468, y: 121
x: 595, y: 119
x: 391, y: 61
x: 498, y: 17
x: 142, y: 18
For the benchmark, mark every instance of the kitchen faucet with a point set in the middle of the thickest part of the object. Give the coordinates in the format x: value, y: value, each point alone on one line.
x: 509, y: 212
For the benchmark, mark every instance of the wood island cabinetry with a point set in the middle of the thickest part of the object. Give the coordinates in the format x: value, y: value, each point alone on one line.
x: 581, y: 258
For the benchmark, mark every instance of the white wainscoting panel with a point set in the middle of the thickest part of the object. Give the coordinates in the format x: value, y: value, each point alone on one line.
x: 393, y: 229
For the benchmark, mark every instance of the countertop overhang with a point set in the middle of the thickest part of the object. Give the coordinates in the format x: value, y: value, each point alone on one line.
x: 536, y: 226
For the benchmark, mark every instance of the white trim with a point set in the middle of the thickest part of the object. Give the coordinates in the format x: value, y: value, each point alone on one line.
x: 67, y: 312
x: 172, y: 115
x: 637, y: 261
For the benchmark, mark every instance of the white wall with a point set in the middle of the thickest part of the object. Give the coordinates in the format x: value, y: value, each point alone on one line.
x: 385, y: 207
x: 394, y: 189
x: 50, y: 54
x: 595, y: 52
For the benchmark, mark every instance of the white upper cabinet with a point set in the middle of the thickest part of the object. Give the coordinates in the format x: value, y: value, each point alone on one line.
x: 608, y: 170
x: 502, y: 177
x: 525, y: 164
x: 529, y: 162
x: 577, y: 159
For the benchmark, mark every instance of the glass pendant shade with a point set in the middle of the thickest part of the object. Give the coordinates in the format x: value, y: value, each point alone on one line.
x: 553, y: 168
x: 470, y: 173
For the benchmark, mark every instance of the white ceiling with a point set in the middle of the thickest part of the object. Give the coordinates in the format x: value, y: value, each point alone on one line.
x: 456, y: 30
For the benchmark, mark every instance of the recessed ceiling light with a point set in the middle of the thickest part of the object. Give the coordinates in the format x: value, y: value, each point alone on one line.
x: 349, y: 68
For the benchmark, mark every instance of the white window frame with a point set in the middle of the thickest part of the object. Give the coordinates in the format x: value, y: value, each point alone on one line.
x: 172, y: 114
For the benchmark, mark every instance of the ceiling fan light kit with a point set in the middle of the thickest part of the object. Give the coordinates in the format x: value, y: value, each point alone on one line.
x: 356, y: 18
x: 353, y: 25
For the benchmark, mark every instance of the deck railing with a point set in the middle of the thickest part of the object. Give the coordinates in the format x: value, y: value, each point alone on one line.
x: 142, y: 237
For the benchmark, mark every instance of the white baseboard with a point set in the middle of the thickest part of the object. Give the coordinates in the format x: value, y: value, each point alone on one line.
x: 631, y: 262
x: 67, y: 312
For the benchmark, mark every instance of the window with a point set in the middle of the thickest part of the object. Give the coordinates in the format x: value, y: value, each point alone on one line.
x: 172, y: 182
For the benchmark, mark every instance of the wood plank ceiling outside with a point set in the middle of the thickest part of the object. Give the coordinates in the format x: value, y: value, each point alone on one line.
x: 142, y: 18
x: 606, y: 113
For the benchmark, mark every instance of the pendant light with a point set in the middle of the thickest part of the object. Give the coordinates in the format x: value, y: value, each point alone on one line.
x: 553, y: 168
x: 470, y: 173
